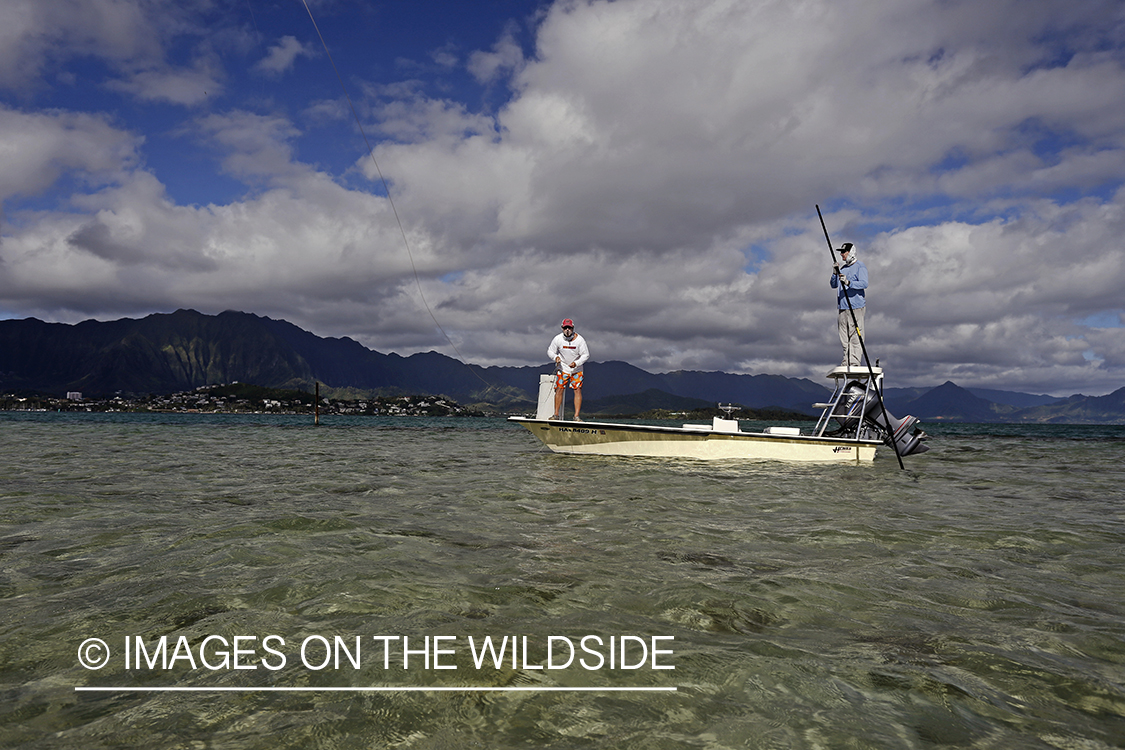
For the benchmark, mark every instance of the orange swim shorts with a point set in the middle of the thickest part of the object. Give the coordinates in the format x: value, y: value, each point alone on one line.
x: 574, y: 378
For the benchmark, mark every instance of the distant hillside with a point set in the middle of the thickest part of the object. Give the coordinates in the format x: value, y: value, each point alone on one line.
x: 1079, y: 409
x: 156, y: 354
x: 950, y: 402
x: 635, y: 403
x: 1013, y: 398
x: 898, y: 398
x: 180, y: 351
x: 168, y: 353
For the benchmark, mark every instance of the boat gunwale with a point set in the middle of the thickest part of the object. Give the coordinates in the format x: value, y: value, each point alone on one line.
x: 700, y: 431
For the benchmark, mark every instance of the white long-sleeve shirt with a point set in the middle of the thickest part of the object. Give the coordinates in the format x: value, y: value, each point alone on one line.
x: 573, y: 352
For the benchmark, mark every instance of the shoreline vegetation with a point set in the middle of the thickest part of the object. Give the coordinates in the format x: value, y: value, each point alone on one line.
x: 243, y: 398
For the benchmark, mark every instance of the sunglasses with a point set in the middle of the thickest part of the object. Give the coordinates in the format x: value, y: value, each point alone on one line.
x: 568, y: 328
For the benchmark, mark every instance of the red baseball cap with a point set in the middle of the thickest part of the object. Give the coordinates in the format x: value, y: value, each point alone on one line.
x: 567, y: 323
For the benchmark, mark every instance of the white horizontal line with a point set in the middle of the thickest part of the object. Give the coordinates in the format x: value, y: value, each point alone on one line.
x: 391, y: 689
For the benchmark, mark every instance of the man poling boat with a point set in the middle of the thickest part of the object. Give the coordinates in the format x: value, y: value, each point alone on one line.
x: 899, y: 434
x: 849, y: 278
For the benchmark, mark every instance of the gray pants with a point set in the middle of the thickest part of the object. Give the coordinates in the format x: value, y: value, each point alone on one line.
x: 849, y: 336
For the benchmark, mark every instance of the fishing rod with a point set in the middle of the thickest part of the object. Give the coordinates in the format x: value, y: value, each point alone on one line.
x: 391, y: 203
x: 862, y: 346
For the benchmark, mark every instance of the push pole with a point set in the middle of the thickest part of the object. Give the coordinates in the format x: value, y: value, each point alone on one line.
x: 862, y: 346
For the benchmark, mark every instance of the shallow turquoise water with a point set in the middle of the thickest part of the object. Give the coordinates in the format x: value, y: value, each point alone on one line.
x: 976, y: 599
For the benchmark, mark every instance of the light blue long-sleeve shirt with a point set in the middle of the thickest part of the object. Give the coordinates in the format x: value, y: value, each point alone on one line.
x: 856, y: 274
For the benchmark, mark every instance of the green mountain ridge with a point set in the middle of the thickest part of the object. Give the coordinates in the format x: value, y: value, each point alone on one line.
x: 172, y: 352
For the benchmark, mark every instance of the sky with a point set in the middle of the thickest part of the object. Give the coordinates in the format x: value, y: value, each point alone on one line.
x: 460, y: 176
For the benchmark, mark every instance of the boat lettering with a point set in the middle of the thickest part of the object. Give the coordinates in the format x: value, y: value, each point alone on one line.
x: 842, y: 449
x: 582, y: 430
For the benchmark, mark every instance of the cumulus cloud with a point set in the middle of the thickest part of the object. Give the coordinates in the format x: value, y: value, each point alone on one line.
x: 653, y: 174
x: 175, y: 86
x: 634, y: 113
x: 658, y: 131
x: 255, y: 146
x: 38, y: 38
x: 505, y: 56
x: 282, y: 56
x: 32, y: 33
x: 307, y: 242
x: 38, y: 147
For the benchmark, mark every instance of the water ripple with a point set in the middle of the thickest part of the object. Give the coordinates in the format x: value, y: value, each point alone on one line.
x: 973, y: 600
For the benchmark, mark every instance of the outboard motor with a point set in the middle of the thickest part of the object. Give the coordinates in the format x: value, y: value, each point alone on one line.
x: 850, y: 405
x: 903, y: 430
x: 858, y: 399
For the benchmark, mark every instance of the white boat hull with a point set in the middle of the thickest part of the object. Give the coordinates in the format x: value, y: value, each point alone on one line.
x: 607, y: 439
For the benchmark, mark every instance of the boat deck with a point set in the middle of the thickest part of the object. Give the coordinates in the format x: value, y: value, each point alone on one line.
x: 721, y: 440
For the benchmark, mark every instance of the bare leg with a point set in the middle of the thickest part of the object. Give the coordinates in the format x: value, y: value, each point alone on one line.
x: 560, y: 392
x: 577, y: 403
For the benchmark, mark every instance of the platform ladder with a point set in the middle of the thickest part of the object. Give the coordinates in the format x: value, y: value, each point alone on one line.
x: 872, y: 379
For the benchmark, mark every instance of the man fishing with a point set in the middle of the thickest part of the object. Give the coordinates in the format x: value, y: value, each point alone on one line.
x: 849, y: 278
x: 569, y: 351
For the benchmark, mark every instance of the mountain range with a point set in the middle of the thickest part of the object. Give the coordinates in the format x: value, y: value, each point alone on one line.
x: 172, y: 352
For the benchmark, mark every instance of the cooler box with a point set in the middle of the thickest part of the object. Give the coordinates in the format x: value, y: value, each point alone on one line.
x: 546, y: 397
